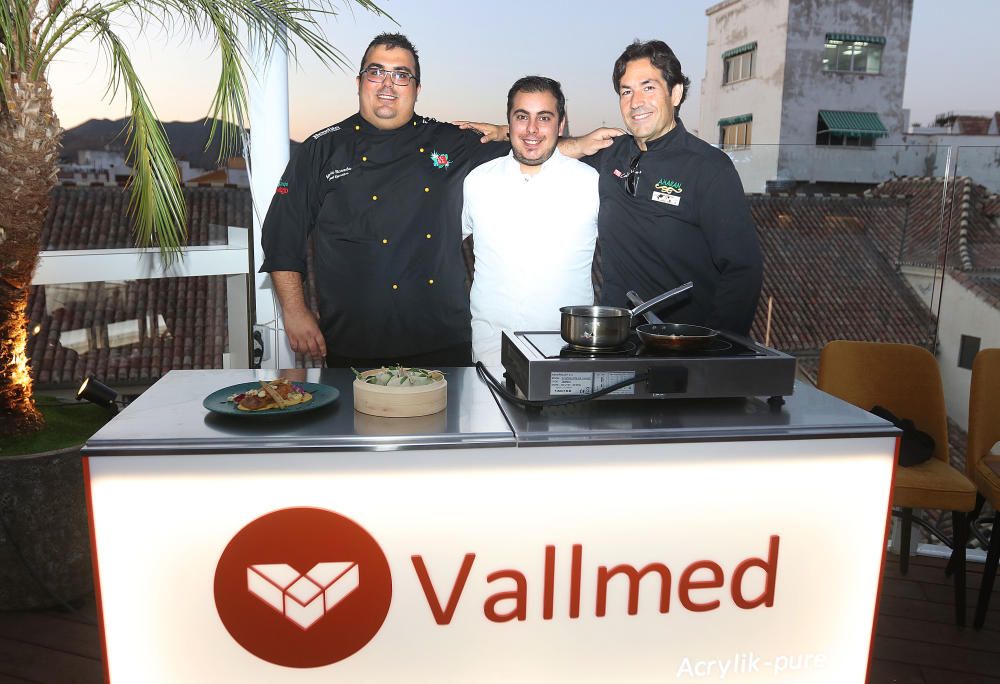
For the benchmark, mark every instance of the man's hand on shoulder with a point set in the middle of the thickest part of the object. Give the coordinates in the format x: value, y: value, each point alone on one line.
x: 490, y: 132
x: 591, y: 143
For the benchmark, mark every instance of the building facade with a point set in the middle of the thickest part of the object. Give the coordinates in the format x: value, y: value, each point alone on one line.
x: 807, y: 90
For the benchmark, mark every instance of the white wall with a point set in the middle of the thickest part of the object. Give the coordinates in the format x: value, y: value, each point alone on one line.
x: 811, y: 162
x: 731, y: 25
x: 962, y: 313
x: 924, y: 283
x: 756, y: 165
x: 975, y: 156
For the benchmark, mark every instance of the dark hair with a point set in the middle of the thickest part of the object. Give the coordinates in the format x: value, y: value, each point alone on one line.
x: 661, y: 56
x: 390, y: 41
x: 538, y: 84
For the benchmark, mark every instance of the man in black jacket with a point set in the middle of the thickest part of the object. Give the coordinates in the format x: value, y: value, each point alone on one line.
x: 672, y: 206
x: 380, y: 195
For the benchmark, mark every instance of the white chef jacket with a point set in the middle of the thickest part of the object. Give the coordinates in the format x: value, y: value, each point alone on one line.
x: 534, y: 238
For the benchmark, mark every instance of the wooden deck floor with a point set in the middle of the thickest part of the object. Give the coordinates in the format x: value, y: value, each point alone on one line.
x: 916, y: 640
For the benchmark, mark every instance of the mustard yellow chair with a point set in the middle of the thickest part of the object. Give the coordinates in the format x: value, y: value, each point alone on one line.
x: 983, y: 459
x: 906, y: 380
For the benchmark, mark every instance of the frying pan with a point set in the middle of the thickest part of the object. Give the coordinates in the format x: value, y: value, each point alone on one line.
x: 605, y: 327
x: 675, y: 337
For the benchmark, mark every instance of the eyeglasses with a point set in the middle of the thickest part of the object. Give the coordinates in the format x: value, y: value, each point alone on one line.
x: 631, y: 176
x: 376, y: 74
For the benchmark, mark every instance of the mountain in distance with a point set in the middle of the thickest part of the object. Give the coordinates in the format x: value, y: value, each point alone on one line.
x: 187, y: 140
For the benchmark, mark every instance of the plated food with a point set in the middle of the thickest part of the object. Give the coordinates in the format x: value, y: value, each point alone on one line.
x: 272, y: 394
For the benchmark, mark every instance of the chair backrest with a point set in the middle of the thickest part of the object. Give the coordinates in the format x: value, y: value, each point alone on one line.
x: 984, y: 406
x: 900, y: 377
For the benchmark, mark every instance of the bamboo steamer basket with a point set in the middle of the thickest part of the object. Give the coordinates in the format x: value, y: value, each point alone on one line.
x: 381, y: 426
x: 400, y: 402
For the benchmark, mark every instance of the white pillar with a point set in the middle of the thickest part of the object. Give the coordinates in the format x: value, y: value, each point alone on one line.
x: 268, y: 155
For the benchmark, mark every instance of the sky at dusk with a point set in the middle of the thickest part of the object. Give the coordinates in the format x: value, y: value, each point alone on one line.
x: 471, y: 53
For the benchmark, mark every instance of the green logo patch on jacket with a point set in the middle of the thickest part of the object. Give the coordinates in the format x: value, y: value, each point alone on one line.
x: 668, y: 186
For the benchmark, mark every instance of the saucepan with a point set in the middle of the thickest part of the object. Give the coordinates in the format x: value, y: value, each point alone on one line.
x: 605, y: 327
x: 674, y: 337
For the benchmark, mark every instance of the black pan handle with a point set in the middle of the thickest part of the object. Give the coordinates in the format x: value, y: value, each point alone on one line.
x: 658, y: 299
x: 635, y: 300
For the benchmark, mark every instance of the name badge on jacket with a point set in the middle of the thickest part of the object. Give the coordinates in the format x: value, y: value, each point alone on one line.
x: 666, y: 199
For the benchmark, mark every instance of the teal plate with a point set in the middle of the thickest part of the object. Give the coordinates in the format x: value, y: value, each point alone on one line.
x: 218, y: 401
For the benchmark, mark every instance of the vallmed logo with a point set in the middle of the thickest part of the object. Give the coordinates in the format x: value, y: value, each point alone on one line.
x: 303, y: 599
x: 303, y: 587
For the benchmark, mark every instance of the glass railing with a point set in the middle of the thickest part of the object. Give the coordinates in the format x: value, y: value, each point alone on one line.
x: 126, y: 317
x: 888, y: 243
x: 891, y: 243
x: 126, y: 332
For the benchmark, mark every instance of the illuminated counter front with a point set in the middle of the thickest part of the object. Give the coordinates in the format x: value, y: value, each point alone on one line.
x: 613, y: 541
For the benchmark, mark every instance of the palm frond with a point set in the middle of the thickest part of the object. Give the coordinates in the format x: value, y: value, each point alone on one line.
x: 15, y: 32
x: 30, y: 39
x: 157, y: 201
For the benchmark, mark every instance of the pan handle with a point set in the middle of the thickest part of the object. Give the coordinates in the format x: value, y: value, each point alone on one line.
x: 656, y: 300
x: 635, y: 300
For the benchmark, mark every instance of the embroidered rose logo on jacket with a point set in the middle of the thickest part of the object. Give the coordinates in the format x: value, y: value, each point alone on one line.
x: 441, y: 161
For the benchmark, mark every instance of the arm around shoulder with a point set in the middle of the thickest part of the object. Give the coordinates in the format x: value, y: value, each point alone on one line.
x: 591, y: 143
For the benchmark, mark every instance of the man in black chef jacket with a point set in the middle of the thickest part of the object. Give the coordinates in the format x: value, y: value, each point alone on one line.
x: 380, y: 193
x: 672, y: 206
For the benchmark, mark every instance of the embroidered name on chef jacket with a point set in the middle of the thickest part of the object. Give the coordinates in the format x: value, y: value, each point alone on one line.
x: 338, y: 173
x: 320, y: 134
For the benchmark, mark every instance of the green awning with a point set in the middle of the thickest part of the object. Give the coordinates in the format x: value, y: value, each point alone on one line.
x: 733, y: 120
x: 856, y: 38
x: 740, y: 50
x: 862, y: 124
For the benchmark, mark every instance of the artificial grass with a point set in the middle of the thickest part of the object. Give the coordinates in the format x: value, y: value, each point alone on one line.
x: 67, y: 423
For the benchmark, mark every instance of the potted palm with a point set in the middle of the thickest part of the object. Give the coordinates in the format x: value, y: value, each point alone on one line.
x: 32, y: 34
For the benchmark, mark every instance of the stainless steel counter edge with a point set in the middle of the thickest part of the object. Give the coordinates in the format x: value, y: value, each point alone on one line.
x: 713, y: 435
x: 182, y: 446
x: 806, y: 414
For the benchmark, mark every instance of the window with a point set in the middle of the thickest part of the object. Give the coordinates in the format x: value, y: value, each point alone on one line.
x: 967, y: 350
x: 849, y: 129
x: 827, y: 138
x: 853, y: 53
x: 738, y: 63
x: 734, y: 132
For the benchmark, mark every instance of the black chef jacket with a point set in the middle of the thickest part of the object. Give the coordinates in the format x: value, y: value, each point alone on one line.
x: 689, y: 220
x: 383, y: 208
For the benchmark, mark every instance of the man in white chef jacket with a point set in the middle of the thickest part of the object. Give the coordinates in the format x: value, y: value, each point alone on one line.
x: 533, y: 218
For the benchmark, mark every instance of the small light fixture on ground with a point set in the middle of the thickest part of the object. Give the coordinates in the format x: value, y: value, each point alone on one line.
x: 96, y: 392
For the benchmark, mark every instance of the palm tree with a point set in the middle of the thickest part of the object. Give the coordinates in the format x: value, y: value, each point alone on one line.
x: 32, y: 34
